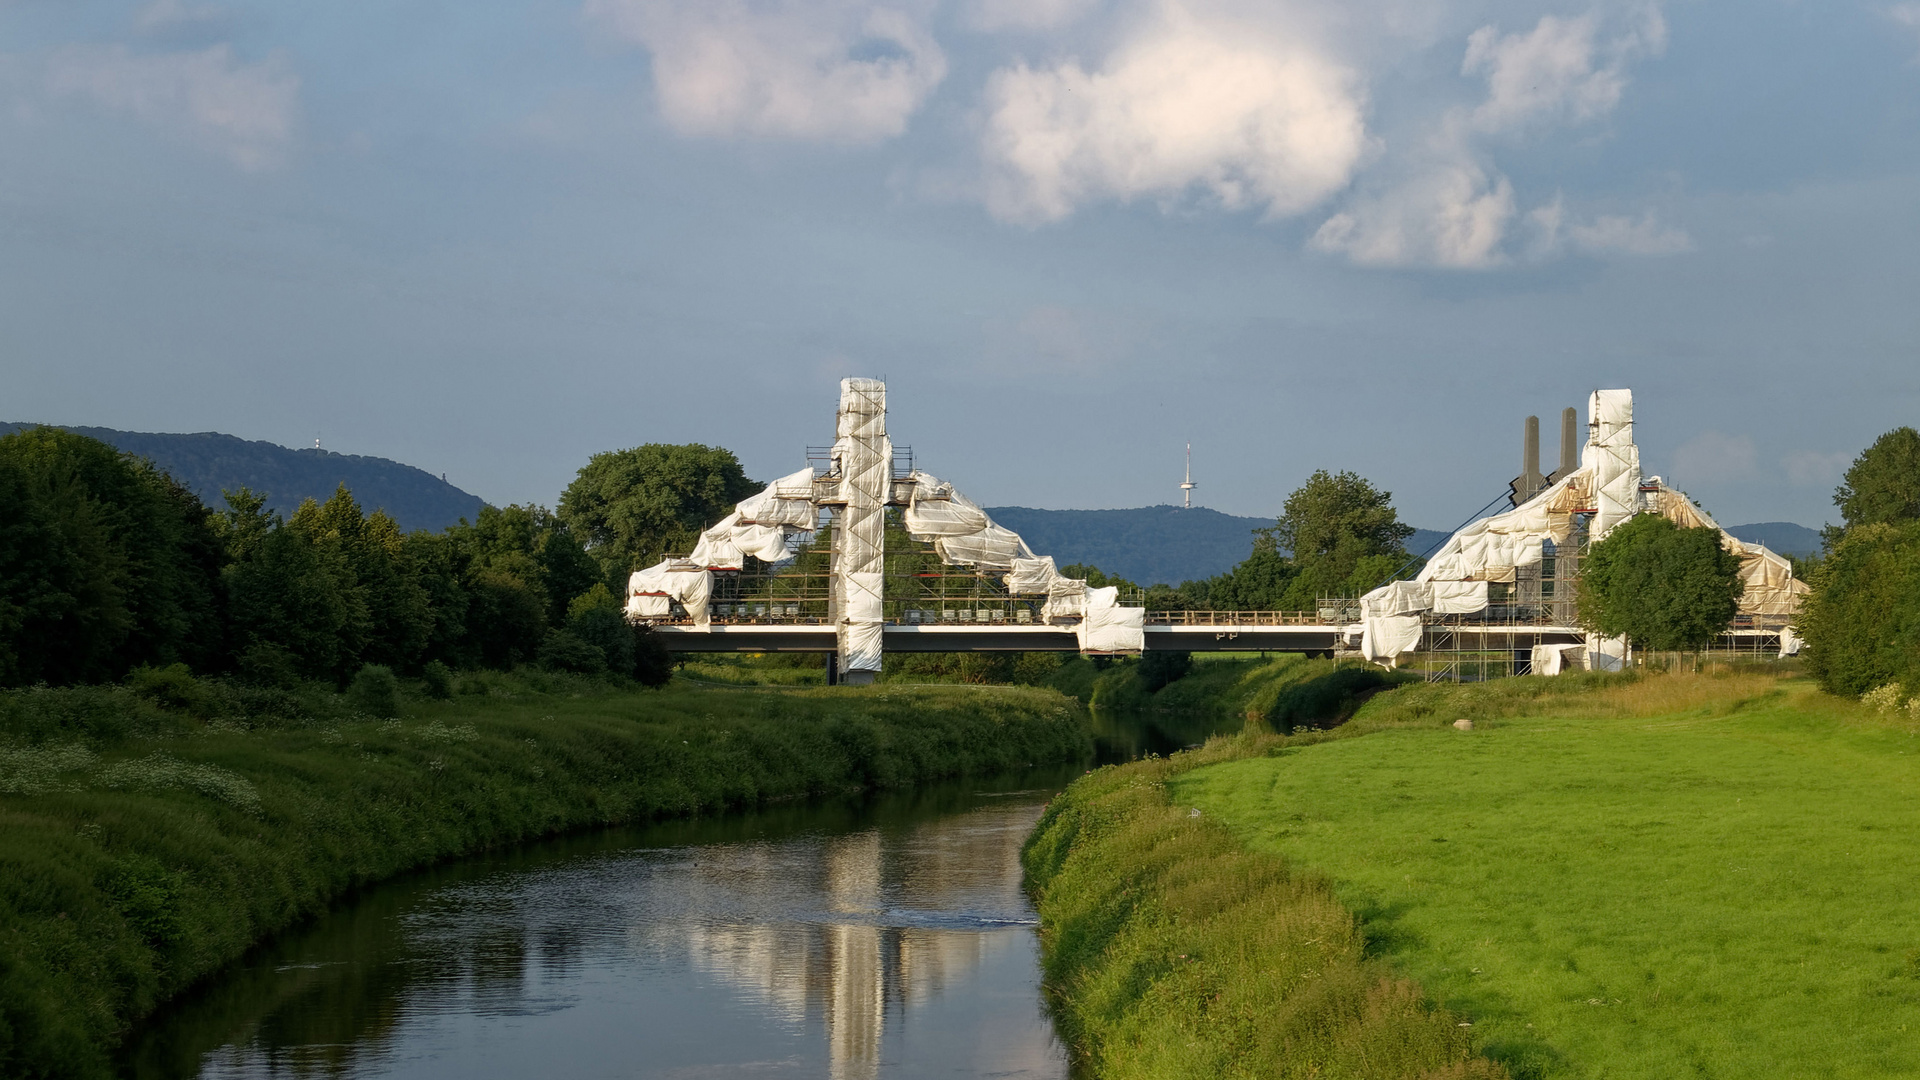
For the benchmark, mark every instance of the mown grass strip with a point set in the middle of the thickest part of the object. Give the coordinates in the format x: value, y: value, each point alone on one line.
x: 133, y: 865
x: 1170, y: 951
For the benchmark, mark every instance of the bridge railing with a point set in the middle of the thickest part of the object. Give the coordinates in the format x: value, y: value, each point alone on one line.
x: 1234, y: 618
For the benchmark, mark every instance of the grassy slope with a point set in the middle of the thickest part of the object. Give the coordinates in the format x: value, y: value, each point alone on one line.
x: 131, y: 867
x: 1687, y: 876
x: 1170, y: 952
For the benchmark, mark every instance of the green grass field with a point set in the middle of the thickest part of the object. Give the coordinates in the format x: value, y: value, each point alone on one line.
x: 1686, y: 876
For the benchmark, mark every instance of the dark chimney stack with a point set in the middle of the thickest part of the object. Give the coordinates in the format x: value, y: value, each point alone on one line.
x: 1529, y: 483
x: 1569, y: 443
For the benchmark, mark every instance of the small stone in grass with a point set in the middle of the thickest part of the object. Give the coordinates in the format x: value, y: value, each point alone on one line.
x: 1463, y: 724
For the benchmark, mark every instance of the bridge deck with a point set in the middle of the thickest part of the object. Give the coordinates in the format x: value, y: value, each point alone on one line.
x: 1159, y: 637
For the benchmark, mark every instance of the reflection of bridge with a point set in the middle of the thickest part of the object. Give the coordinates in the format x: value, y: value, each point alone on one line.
x: 860, y: 553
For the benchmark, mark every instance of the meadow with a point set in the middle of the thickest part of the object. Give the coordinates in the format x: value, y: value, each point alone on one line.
x: 1680, y: 875
x: 148, y: 839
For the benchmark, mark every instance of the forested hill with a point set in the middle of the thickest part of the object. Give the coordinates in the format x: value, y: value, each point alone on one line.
x: 208, y: 462
x: 1149, y: 544
x: 1783, y: 537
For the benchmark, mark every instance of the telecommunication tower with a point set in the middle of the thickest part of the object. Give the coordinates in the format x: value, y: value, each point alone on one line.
x: 1187, y: 485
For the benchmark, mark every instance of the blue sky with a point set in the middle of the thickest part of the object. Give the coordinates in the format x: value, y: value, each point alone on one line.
x: 490, y: 239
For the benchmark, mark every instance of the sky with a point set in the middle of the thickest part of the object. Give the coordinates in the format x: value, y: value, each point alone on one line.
x: 493, y: 238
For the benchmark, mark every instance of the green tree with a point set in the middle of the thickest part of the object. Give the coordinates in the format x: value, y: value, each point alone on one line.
x: 1862, y: 622
x: 1883, y: 484
x: 289, y: 598
x: 1343, y: 535
x: 631, y: 507
x: 1660, y: 586
x: 380, y: 577
x: 105, y: 563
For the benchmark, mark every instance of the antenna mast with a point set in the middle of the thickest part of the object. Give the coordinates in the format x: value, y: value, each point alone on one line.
x: 1187, y: 486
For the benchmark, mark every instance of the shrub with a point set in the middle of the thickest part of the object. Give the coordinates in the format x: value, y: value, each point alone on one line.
x: 1330, y: 697
x: 1157, y: 669
x: 1862, y: 623
x: 563, y: 650
x: 375, y: 691
x: 173, y: 687
x: 605, y: 629
x: 437, y: 679
x: 652, y: 663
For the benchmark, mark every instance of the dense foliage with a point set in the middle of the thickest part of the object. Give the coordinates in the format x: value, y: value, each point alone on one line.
x: 107, y: 565
x: 631, y: 507
x: 1660, y: 586
x: 1862, y: 623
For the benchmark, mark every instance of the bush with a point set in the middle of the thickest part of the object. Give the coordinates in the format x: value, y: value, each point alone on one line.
x: 1862, y: 623
x: 564, y: 650
x: 1330, y: 697
x: 173, y: 687
x: 1157, y: 669
x: 437, y: 679
x: 375, y: 691
x: 607, y: 630
x: 652, y: 663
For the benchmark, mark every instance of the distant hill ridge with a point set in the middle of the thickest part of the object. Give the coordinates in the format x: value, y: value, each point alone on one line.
x: 1168, y: 544
x: 209, y: 462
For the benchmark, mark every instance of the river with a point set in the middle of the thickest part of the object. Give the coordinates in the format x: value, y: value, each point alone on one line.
x: 856, y: 939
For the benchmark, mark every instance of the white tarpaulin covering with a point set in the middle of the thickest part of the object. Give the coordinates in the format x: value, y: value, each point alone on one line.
x: 1770, y: 587
x: 1108, y: 627
x: 1492, y: 549
x: 1553, y: 659
x: 864, y: 457
x: 1384, y: 637
x: 649, y: 590
x: 964, y: 535
x: 1606, y: 653
x: 764, y: 526
x: 786, y: 502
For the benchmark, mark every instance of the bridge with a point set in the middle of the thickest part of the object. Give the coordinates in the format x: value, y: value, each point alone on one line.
x: 861, y: 553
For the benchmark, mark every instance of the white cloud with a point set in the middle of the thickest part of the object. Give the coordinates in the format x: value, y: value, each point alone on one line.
x: 245, y: 111
x: 1629, y: 236
x: 1712, y: 457
x: 1453, y: 216
x: 1560, y: 70
x: 1813, y: 469
x: 827, y: 70
x: 164, y: 15
x: 1445, y: 203
x: 1185, y: 104
x: 1907, y: 15
x: 1027, y: 14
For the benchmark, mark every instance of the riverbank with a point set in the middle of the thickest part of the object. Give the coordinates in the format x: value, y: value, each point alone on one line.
x: 1605, y: 876
x: 142, y: 847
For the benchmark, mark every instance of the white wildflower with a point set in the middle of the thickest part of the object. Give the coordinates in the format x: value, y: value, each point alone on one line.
x: 30, y: 770
x: 161, y: 772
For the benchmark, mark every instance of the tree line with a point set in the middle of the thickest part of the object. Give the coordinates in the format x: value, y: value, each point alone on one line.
x: 108, y: 564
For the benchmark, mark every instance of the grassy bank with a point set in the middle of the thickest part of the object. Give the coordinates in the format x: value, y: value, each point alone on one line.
x: 1170, y: 951
x: 1610, y: 877
x: 145, y: 841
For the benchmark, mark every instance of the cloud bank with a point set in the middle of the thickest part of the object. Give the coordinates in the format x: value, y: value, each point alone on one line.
x: 244, y: 111
x: 1183, y: 105
x: 824, y: 70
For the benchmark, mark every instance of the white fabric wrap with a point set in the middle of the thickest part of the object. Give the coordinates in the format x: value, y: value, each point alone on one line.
x: 1605, y: 653
x: 1554, y: 659
x: 1789, y: 642
x: 649, y: 590
x: 1107, y: 627
x: 865, y: 457
x: 787, y: 502
x: 1768, y: 584
x: 1385, y: 637
x: 1028, y: 577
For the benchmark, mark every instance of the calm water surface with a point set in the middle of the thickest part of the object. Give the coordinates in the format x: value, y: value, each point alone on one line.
x: 885, y: 937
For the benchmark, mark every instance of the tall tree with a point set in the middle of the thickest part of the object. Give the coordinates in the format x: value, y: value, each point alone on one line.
x: 630, y: 507
x: 1862, y: 623
x: 105, y: 563
x: 1883, y: 484
x: 1344, y: 537
x: 1659, y: 585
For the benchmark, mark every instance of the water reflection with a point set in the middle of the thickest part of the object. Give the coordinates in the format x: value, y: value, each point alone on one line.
x: 856, y: 942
